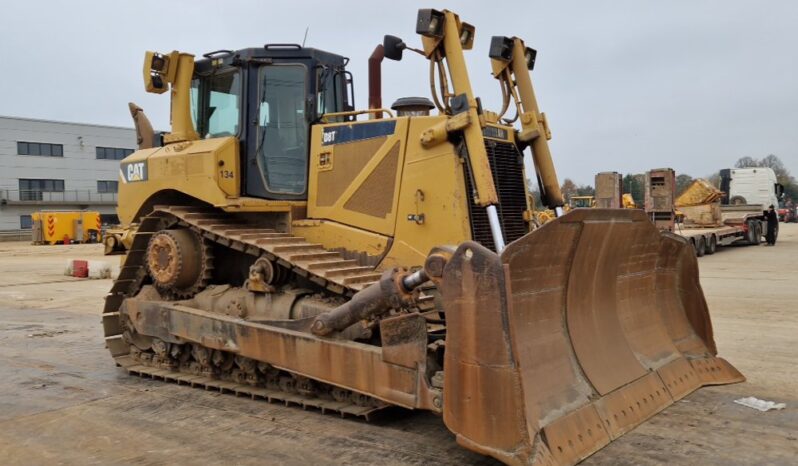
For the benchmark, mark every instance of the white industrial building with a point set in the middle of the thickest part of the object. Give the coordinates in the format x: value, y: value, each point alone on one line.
x: 56, y: 165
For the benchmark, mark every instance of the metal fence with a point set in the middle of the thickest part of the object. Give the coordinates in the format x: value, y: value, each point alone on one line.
x: 16, y: 235
x: 71, y: 196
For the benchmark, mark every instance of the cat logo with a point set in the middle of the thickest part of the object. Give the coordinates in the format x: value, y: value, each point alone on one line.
x: 134, y: 171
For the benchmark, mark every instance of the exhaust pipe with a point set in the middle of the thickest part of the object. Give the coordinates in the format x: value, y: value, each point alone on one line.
x: 375, y: 79
x: 145, y: 136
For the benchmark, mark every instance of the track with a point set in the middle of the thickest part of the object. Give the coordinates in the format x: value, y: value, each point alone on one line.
x: 198, y: 366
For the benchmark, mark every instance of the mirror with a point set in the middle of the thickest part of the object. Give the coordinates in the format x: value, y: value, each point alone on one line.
x: 393, y: 47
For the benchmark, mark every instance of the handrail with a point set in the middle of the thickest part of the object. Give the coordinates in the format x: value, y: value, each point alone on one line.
x: 355, y: 113
x: 72, y: 196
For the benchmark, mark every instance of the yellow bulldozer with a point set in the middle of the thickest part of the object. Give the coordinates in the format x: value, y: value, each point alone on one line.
x: 290, y: 247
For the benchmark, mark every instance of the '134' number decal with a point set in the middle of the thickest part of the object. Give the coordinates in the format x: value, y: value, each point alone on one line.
x: 226, y: 174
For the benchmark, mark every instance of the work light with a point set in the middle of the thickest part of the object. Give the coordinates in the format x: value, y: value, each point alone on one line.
x: 467, y: 35
x: 430, y: 23
x: 530, y: 55
x: 501, y: 48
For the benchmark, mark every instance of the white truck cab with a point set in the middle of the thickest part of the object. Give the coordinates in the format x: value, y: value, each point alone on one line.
x: 750, y: 186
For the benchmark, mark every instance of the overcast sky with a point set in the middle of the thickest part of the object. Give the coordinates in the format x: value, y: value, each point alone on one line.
x: 627, y: 85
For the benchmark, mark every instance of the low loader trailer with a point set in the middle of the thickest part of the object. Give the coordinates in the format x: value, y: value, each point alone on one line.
x: 699, y: 215
x: 737, y: 225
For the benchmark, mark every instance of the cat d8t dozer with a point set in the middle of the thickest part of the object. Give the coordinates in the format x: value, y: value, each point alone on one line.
x: 287, y: 250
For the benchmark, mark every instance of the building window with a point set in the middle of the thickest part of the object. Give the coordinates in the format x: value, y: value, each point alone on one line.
x: 32, y: 189
x: 25, y: 222
x: 113, y: 153
x: 107, y: 186
x: 40, y: 148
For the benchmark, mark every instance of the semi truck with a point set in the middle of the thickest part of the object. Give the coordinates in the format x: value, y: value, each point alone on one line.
x: 709, y: 217
x: 751, y: 186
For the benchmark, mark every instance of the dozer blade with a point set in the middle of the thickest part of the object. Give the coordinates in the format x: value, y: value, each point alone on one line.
x: 574, y: 335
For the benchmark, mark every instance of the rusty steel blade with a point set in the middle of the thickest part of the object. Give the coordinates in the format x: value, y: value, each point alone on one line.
x: 577, y: 333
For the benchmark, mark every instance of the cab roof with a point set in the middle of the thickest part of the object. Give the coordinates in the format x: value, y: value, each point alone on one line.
x: 265, y: 54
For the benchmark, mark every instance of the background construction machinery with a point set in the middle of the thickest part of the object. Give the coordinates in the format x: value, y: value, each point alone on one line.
x: 702, y: 214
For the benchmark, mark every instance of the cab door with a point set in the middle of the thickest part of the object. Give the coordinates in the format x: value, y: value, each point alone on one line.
x: 277, y: 159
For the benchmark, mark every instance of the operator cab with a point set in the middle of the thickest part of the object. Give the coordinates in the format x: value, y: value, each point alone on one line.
x: 268, y: 98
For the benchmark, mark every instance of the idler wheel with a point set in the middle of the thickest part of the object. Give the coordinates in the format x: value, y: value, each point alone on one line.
x: 176, y: 262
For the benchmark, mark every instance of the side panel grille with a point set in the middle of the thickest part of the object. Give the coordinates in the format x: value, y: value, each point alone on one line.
x: 507, y: 167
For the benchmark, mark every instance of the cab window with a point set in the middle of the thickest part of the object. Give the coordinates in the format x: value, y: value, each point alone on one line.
x: 330, y: 98
x: 216, y: 104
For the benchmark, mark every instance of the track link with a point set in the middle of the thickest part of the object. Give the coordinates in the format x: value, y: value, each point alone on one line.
x: 328, y: 269
x: 134, y: 367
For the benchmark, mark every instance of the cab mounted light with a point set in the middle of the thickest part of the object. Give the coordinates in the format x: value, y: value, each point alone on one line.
x: 467, y: 32
x: 529, y: 55
x: 159, y: 63
x: 501, y: 48
x: 430, y: 23
x: 159, y: 71
x: 157, y: 82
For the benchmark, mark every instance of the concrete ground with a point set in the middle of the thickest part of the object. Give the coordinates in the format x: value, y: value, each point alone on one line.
x: 62, y: 400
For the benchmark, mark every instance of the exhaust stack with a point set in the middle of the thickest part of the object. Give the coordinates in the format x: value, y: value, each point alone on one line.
x: 375, y: 79
x: 145, y: 136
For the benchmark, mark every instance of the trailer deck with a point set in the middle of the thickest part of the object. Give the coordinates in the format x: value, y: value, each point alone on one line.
x: 727, y: 225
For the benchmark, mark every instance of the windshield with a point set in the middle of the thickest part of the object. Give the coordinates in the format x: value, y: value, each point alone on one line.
x: 216, y: 104
x: 282, y: 128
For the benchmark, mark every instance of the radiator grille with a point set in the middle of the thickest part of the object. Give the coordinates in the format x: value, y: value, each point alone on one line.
x: 507, y: 167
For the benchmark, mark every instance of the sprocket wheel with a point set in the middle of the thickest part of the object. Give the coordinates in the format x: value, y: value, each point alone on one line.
x: 179, y: 261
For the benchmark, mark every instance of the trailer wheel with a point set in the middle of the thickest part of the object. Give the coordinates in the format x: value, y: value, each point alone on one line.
x: 758, y: 232
x: 692, y: 243
x: 750, y: 235
x: 701, y: 247
x: 713, y: 245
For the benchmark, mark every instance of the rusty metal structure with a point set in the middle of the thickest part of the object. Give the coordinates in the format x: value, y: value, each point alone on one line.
x: 296, y: 253
x: 609, y: 190
x: 659, y: 198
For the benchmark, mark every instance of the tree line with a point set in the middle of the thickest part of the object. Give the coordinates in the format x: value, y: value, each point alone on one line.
x: 634, y: 183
